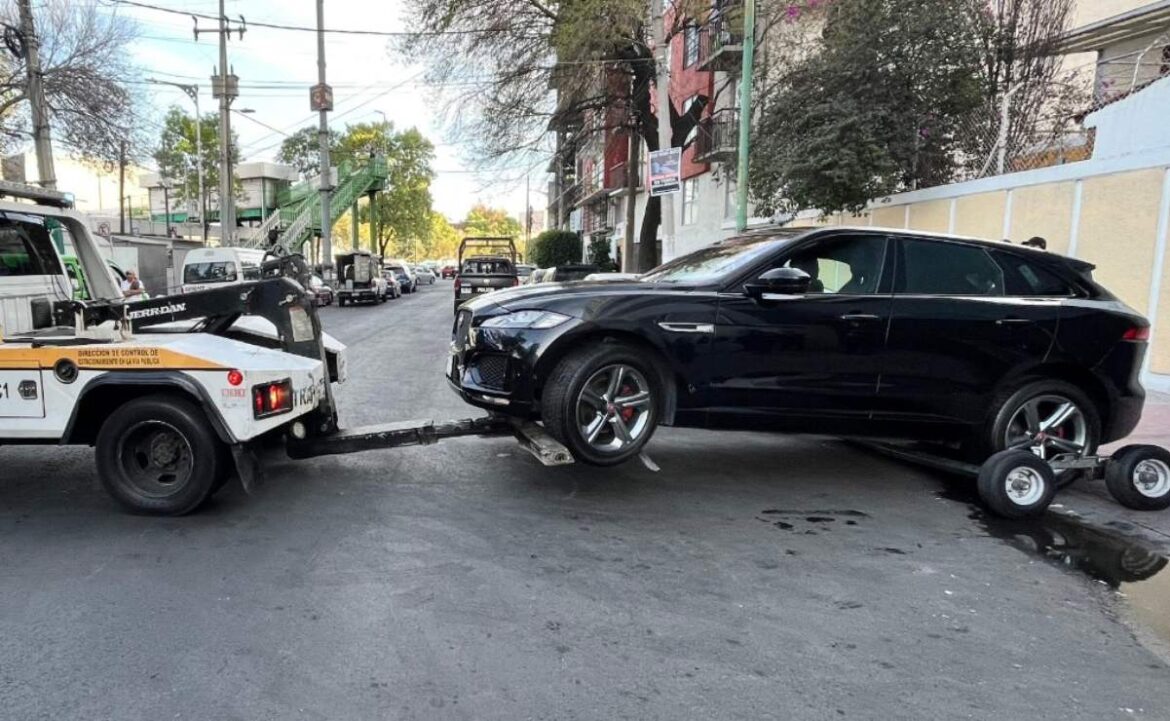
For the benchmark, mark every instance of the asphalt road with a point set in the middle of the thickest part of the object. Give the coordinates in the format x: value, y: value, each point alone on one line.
x: 753, y: 577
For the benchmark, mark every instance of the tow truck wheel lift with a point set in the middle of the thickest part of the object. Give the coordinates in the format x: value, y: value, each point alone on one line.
x: 1016, y: 483
x: 288, y: 306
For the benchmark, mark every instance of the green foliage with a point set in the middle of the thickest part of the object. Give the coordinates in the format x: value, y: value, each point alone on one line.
x: 177, y: 158
x: 482, y: 220
x: 442, y: 238
x: 303, y: 151
x: 599, y: 254
x: 880, y: 108
x: 554, y: 247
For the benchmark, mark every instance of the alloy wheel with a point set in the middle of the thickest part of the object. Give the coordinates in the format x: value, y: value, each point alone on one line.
x: 1048, y: 425
x: 614, y: 408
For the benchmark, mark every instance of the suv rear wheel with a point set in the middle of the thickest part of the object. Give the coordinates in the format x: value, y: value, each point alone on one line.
x: 158, y: 455
x: 603, y: 403
x: 1048, y: 418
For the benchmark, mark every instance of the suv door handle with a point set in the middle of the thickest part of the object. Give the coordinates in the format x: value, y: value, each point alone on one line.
x: 1012, y: 321
x: 859, y: 317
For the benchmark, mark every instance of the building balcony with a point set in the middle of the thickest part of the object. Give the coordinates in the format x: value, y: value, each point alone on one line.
x: 618, y: 179
x: 721, y: 39
x: 718, y: 137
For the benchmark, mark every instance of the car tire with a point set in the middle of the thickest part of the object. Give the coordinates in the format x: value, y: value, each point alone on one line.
x: 582, y: 407
x: 1138, y: 477
x: 1016, y: 484
x: 159, y: 455
x: 1007, y: 420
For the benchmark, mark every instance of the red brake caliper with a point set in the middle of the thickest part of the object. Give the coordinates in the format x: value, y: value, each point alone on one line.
x: 627, y: 413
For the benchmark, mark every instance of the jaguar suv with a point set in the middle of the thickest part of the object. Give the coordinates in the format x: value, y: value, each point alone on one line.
x: 841, y: 331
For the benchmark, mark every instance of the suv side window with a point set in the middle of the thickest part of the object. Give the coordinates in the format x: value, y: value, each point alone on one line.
x: 932, y: 267
x: 849, y: 265
x: 1028, y: 278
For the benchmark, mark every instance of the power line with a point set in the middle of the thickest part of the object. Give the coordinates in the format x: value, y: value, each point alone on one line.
x: 304, y: 28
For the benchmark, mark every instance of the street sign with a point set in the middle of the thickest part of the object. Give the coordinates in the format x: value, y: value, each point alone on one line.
x: 665, y: 171
x: 321, y: 98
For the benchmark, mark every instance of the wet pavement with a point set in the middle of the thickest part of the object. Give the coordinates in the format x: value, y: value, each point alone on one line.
x: 753, y: 577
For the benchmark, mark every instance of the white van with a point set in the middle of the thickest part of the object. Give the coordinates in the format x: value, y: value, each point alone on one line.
x: 211, y: 267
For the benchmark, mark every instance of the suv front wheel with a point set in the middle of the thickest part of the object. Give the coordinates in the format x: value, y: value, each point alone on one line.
x: 603, y: 403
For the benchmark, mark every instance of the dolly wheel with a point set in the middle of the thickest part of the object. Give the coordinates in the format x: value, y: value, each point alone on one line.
x: 1138, y: 477
x: 1016, y: 484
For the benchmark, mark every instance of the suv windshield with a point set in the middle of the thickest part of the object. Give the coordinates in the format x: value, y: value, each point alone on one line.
x: 487, y: 266
x: 716, y: 261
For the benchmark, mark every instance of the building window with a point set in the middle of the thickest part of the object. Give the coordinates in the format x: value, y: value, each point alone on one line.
x: 689, y: 191
x: 695, y: 130
x: 690, y: 45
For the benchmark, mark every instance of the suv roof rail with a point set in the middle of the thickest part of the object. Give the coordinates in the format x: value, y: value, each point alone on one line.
x: 44, y: 196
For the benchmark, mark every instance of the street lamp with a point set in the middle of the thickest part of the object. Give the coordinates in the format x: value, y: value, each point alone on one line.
x: 192, y: 92
x: 166, y: 188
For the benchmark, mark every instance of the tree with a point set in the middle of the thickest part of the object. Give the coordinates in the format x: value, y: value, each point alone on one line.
x: 87, y: 76
x: 403, y: 209
x: 176, y: 155
x: 599, y: 254
x: 442, y: 238
x: 302, y: 150
x: 604, y: 73
x: 878, y: 109
x: 555, y: 247
x: 482, y: 220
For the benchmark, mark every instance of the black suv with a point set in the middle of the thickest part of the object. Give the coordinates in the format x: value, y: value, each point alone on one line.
x: 842, y: 331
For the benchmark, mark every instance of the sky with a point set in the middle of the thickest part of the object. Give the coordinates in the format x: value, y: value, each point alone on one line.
x: 369, y: 79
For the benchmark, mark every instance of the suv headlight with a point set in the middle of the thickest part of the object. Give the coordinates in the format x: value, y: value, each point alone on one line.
x: 539, y: 319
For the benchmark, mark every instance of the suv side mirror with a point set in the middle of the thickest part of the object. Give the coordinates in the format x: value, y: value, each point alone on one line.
x: 779, y: 281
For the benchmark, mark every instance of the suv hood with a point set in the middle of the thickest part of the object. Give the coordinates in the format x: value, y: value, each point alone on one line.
x: 543, y: 295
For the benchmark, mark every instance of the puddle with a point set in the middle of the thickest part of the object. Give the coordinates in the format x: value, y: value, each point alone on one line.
x: 1122, y: 563
x: 1103, y: 554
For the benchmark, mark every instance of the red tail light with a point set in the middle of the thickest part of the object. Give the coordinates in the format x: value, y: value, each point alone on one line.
x: 271, y: 399
x: 1137, y: 333
x: 458, y: 283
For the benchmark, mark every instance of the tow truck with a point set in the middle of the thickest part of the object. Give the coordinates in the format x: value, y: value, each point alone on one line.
x: 175, y: 393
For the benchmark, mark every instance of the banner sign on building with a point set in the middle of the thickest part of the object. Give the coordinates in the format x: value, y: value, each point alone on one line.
x: 665, y: 171
x: 575, y: 220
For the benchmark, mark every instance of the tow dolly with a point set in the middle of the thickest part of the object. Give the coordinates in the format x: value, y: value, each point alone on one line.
x: 1017, y: 483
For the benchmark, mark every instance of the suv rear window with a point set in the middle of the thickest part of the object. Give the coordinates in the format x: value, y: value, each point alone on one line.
x: 1025, y: 277
x: 223, y: 271
x: 488, y: 266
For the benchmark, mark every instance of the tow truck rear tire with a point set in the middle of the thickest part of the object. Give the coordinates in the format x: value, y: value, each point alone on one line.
x: 158, y: 455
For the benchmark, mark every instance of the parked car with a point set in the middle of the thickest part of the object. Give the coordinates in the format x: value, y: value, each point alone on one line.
x: 843, y: 331
x: 524, y: 271
x: 402, y: 272
x: 423, y: 275
x: 322, y: 292
x: 360, y: 279
x: 448, y: 271
x: 565, y: 273
x: 393, y: 287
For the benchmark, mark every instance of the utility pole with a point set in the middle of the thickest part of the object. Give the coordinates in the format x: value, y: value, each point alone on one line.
x: 122, y: 187
x: 663, y: 113
x: 745, y: 113
x: 36, y: 97
x: 321, y: 100
x: 192, y: 92
x: 226, y: 87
